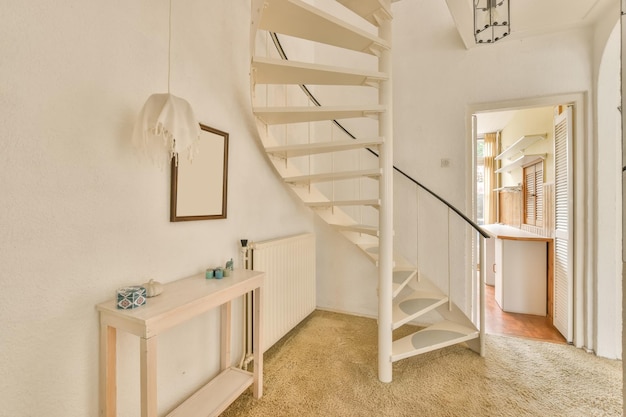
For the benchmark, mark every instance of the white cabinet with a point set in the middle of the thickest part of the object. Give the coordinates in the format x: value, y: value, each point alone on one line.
x: 521, y: 267
x: 520, y: 279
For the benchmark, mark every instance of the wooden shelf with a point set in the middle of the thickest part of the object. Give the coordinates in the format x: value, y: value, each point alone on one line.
x: 509, y: 188
x: 215, y: 396
x: 521, y: 162
x: 519, y: 146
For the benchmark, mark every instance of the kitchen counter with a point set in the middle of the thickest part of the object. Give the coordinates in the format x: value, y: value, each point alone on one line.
x: 502, y: 231
x: 517, y: 266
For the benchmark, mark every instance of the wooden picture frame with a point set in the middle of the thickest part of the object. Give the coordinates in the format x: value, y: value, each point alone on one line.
x: 199, y: 188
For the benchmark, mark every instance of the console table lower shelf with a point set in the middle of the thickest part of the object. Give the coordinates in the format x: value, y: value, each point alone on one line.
x: 180, y: 301
x: 215, y: 396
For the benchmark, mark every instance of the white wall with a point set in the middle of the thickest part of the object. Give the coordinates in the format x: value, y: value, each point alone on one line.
x: 530, y: 122
x: 436, y: 79
x: 82, y: 214
x: 609, y: 241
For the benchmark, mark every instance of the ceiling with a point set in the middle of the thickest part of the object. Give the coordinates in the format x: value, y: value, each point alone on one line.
x: 493, y: 121
x: 532, y: 17
x: 528, y: 18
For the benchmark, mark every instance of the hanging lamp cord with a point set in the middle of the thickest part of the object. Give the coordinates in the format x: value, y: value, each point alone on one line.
x: 169, y: 48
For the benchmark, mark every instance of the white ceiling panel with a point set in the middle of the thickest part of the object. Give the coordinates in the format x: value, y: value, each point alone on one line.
x: 531, y: 17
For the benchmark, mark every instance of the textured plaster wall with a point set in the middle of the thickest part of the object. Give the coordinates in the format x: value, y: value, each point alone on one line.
x: 529, y: 122
x: 609, y: 197
x: 82, y: 213
x: 436, y: 79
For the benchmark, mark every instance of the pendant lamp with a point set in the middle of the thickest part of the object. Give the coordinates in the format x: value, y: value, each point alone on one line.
x: 491, y: 20
x: 166, y: 125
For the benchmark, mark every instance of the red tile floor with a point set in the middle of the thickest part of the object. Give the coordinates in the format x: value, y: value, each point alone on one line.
x: 520, y: 325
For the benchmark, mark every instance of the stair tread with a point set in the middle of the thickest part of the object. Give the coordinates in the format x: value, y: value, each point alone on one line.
x: 299, y: 19
x: 279, y: 71
x: 289, y: 151
x: 330, y: 203
x: 331, y: 176
x: 424, y: 298
x: 359, y: 228
x: 437, y: 336
x: 401, y: 276
x: 371, y: 10
x: 300, y: 114
x: 371, y: 249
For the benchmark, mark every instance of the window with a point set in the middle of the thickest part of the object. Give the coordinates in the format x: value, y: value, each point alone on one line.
x: 533, y: 194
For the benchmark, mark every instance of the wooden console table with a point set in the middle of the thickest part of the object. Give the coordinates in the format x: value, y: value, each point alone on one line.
x: 180, y: 301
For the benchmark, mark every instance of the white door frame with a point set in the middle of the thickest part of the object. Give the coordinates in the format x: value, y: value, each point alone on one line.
x: 583, y: 213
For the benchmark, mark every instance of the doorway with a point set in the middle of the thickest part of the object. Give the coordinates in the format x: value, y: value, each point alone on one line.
x: 521, y: 190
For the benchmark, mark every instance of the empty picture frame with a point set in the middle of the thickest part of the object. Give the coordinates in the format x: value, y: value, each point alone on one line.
x: 199, y: 188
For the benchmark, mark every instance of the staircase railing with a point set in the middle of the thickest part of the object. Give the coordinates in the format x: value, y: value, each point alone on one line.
x: 310, y: 95
x: 481, y: 235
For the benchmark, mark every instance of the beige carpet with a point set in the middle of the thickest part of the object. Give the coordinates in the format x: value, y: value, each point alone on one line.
x: 327, y: 367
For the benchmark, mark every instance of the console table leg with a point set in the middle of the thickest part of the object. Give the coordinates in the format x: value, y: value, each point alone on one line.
x: 258, y: 345
x: 226, y: 318
x: 108, y: 378
x: 147, y: 358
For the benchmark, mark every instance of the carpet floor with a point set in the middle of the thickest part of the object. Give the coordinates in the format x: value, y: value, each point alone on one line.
x: 327, y: 366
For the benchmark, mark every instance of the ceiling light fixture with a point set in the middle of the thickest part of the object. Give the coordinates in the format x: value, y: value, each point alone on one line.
x: 166, y: 124
x: 491, y: 20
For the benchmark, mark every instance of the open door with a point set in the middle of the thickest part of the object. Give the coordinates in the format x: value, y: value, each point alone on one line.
x: 563, y: 271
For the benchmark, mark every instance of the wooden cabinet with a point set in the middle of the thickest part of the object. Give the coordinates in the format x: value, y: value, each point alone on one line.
x: 510, y: 208
x: 180, y: 301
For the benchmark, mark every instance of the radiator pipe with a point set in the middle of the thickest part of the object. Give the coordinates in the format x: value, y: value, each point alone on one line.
x: 246, y: 351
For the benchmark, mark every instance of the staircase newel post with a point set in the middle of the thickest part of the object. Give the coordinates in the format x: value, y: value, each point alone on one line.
x: 385, y: 271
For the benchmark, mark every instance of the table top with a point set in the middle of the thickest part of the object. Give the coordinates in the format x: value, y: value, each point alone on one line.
x: 181, y: 300
x: 502, y: 231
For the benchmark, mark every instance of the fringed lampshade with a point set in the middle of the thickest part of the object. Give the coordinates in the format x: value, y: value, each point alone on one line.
x: 491, y: 20
x: 166, y: 127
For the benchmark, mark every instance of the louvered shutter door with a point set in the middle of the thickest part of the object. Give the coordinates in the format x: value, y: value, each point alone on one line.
x: 539, y: 195
x: 563, y: 317
x: 529, y: 196
x: 533, y: 194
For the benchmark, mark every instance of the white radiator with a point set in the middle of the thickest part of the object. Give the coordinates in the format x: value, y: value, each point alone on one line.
x: 289, y: 286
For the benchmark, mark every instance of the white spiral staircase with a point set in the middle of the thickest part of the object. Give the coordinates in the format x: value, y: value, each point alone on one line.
x: 331, y: 170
